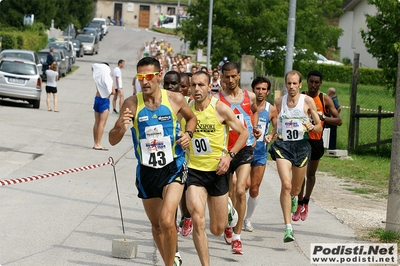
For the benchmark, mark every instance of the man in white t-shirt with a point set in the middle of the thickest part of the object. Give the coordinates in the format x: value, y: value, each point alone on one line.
x: 136, y: 86
x: 117, y: 75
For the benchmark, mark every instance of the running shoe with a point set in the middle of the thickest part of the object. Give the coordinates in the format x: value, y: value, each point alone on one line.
x: 296, y: 215
x: 294, y: 204
x: 228, y: 235
x: 232, y: 214
x: 187, y: 227
x: 289, y: 237
x: 248, y: 226
x: 237, y: 247
x: 177, y: 261
x: 115, y: 112
x: 181, y: 221
x: 304, y: 212
x: 179, y: 226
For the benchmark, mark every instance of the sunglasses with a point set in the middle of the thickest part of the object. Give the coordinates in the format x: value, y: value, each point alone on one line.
x: 148, y: 76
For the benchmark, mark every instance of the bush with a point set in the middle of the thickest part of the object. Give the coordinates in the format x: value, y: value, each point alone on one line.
x: 342, y: 74
x: 31, y: 38
x: 8, y: 42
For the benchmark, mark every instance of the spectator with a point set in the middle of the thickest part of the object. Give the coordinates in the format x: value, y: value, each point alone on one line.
x: 117, y: 75
x: 104, y: 88
x: 50, y: 57
x: 333, y: 128
x: 51, y: 86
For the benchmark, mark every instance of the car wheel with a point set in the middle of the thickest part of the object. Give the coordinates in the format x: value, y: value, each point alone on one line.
x: 36, y: 104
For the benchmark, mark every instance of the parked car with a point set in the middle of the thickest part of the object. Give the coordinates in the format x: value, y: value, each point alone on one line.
x: 90, y: 43
x: 67, y: 45
x: 59, y: 57
x: 170, y: 22
x: 91, y: 31
x: 323, y: 60
x: 97, y: 25
x: 103, y: 24
x: 23, y: 54
x: 20, y: 80
x: 78, y: 46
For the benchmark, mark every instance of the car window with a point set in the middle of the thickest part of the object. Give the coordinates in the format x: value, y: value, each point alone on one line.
x: 20, y: 68
x: 57, y: 56
x: 87, y: 39
x: 42, y: 57
x: 18, y: 55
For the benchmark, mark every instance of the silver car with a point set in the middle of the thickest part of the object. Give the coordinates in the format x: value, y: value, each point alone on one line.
x: 23, y: 54
x: 90, y: 43
x: 20, y: 80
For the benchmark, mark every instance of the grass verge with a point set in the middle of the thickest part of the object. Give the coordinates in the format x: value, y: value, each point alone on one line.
x: 384, y: 236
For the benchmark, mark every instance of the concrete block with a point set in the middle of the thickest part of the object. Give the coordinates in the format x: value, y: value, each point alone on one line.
x: 336, y: 153
x: 124, y: 249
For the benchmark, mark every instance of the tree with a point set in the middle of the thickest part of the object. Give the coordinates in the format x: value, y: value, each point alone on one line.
x: 382, y: 38
x: 63, y: 12
x: 253, y: 26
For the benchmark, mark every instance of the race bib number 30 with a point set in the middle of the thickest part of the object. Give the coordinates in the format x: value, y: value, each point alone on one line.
x: 292, y: 130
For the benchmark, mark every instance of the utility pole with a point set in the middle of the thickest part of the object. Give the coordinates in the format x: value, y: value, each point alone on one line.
x: 290, y: 39
x: 393, y: 210
x: 210, y: 15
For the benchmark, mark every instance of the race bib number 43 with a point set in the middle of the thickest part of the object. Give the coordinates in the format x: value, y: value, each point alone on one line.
x: 156, y: 149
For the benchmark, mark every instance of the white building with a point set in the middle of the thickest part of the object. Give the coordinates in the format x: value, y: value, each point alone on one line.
x: 137, y: 13
x: 351, y: 21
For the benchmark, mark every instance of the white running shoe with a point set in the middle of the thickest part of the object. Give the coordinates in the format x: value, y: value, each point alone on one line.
x: 232, y: 214
x: 248, y: 226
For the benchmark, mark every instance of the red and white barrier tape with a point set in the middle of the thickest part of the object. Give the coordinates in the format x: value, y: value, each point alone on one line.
x: 69, y: 171
x: 369, y: 110
x: 37, y: 177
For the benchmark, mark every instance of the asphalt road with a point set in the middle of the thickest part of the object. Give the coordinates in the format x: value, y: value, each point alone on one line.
x: 72, y: 218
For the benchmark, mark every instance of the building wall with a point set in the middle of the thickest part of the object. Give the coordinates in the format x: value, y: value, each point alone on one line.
x: 130, y: 11
x: 351, y: 42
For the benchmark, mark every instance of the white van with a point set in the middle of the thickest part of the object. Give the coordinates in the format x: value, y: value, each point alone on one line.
x: 103, y: 24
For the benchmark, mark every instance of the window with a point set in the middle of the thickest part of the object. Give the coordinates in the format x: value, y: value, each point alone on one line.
x: 171, y: 11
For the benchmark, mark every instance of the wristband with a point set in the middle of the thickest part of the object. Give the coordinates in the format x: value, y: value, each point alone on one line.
x: 190, y: 133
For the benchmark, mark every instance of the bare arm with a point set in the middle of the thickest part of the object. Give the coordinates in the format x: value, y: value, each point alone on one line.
x: 117, y: 81
x: 335, y: 118
x: 134, y: 86
x: 124, y: 120
x: 181, y: 108
x: 254, y: 109
x: 226, y: 115
x: 312, y: 110
x: 273, y: 117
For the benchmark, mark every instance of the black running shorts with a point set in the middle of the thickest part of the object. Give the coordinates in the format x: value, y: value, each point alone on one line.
x: 297, y: 152
x: 216, y: 185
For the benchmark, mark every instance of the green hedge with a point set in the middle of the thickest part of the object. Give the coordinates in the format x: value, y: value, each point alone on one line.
x: 333, y: 73
x: 30, y: 38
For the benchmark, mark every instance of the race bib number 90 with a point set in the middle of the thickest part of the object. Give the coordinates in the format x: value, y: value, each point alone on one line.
x: 201, y: 146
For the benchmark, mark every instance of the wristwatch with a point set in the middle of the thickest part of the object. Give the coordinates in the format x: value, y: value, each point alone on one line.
x: 323, y: 117
x: 233, y: 155
x: 190, y: 133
